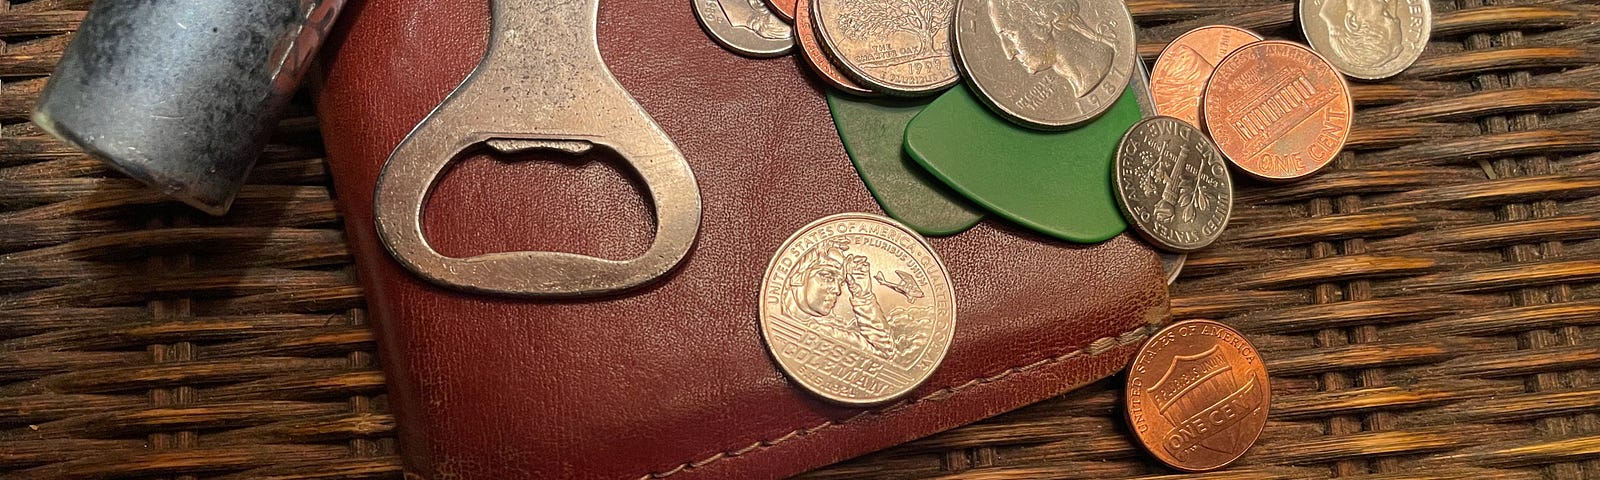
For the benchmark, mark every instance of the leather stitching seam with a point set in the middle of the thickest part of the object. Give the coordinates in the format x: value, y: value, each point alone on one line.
x: 1097, y: 347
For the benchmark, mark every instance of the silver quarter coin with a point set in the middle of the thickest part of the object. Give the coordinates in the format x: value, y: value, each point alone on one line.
x: 1367, y: 39
x: 857, y: 309
x: 1172, y: 185
x: 1172, y: 264
x: 1140, y: 83
x: 899, y: 47
x: 745, y: 27
x: 1046, y: 64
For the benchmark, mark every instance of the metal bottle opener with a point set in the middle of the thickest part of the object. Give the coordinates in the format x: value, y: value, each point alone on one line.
x: 540, y: 86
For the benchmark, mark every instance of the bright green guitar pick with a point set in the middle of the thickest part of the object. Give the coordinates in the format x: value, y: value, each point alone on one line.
x: 873, y: 131
x: 1056, y: 183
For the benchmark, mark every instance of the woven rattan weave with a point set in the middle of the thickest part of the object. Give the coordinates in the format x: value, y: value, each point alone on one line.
x: 1429, y: 306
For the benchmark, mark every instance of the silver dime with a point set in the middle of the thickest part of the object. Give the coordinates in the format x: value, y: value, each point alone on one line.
x: 894, y: 47
x: 1172, y: 185
x: 1046, y: 64
x: 1171, y: 263
x: 745, y: 27
x: 1367, y: 39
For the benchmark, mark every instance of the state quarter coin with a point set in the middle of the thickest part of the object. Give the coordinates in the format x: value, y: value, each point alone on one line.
x: 1172, y: 185
x: 1367, y: 39
x: 1049, y: 64
x: 899, y: 47
x: 1197, y: 395
x: 857, y: 309
x: 745, y: 27
x: 1182, y: 69
x: 1277, y: 110
x: 806, y: 35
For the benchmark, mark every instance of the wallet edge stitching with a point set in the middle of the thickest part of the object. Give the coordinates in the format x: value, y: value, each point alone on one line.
x: 1095, y: 348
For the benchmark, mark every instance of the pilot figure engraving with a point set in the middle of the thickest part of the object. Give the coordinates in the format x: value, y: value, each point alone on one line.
x: 1052, y: 42
x: 825, y: 273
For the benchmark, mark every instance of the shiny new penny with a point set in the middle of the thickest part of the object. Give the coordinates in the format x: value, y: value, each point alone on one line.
x: 1171, y: 184
x: 806, y: 35
x: 899, y: 47
x: 745, y: 27
x: 1277, y: 110
x: 1047, y: 65
x: 786, y: 9
x: 1197, y: 395
x: 857, y: 309
x: 1368, y: 39
x: 1181, y: 72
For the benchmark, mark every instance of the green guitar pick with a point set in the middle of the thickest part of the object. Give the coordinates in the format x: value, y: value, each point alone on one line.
x: 873, y: 131
x: 1056, y: 183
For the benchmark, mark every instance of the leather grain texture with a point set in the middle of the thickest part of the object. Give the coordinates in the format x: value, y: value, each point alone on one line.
x: 673, y: 380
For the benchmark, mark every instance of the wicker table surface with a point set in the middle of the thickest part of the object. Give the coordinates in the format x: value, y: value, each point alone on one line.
x: 1428, y: 307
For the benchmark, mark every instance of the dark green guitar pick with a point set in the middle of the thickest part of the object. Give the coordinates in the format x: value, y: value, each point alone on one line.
x: 873, y: 131
x: 1056, y: 183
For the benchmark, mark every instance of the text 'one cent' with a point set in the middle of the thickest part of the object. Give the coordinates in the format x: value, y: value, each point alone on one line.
x: 1197, y: 395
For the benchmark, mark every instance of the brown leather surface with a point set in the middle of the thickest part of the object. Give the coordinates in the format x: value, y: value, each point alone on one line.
x: 673, y: 379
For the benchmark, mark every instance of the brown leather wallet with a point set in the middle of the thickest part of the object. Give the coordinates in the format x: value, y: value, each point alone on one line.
x: 672, y: 379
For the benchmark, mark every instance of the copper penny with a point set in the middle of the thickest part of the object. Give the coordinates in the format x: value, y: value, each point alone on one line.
x: 806, y: 34
x: 1183, y: 68
x: 1277, y: 110
x: 786, y: 9
x: 1197, y: 395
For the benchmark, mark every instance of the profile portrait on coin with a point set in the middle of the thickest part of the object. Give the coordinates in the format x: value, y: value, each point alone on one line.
x: 1368, y: 31
x: 828, y: 272
x: 1181, y: 86
x: 1049, y: 38
x: 753, y: 15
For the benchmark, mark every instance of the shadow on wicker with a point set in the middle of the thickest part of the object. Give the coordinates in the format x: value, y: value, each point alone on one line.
x: 1428, y: 306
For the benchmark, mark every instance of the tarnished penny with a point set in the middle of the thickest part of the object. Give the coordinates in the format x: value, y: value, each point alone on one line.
x: 1172, y: 185
x: 1197, y: 395
x: 897, y: 48
x: 1277, y: 110
x: 1046, y: 64
x: 857, y: 309
x: 745, y: 27
x: 1367, y: 39
x: 805, y: 34
x: 785, y: 9
x: 1181, y: 72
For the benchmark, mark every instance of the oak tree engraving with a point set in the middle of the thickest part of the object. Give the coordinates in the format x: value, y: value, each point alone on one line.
x: 877, y: 19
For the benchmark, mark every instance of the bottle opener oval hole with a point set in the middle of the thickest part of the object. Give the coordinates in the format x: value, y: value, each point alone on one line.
x: 587, y: 203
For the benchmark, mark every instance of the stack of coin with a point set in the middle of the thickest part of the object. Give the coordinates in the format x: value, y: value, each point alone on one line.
x: 1278, y: 111
x: 745, y: 27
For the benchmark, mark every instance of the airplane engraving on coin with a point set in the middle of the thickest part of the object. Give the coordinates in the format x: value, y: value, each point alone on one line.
x: 906, y: 287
